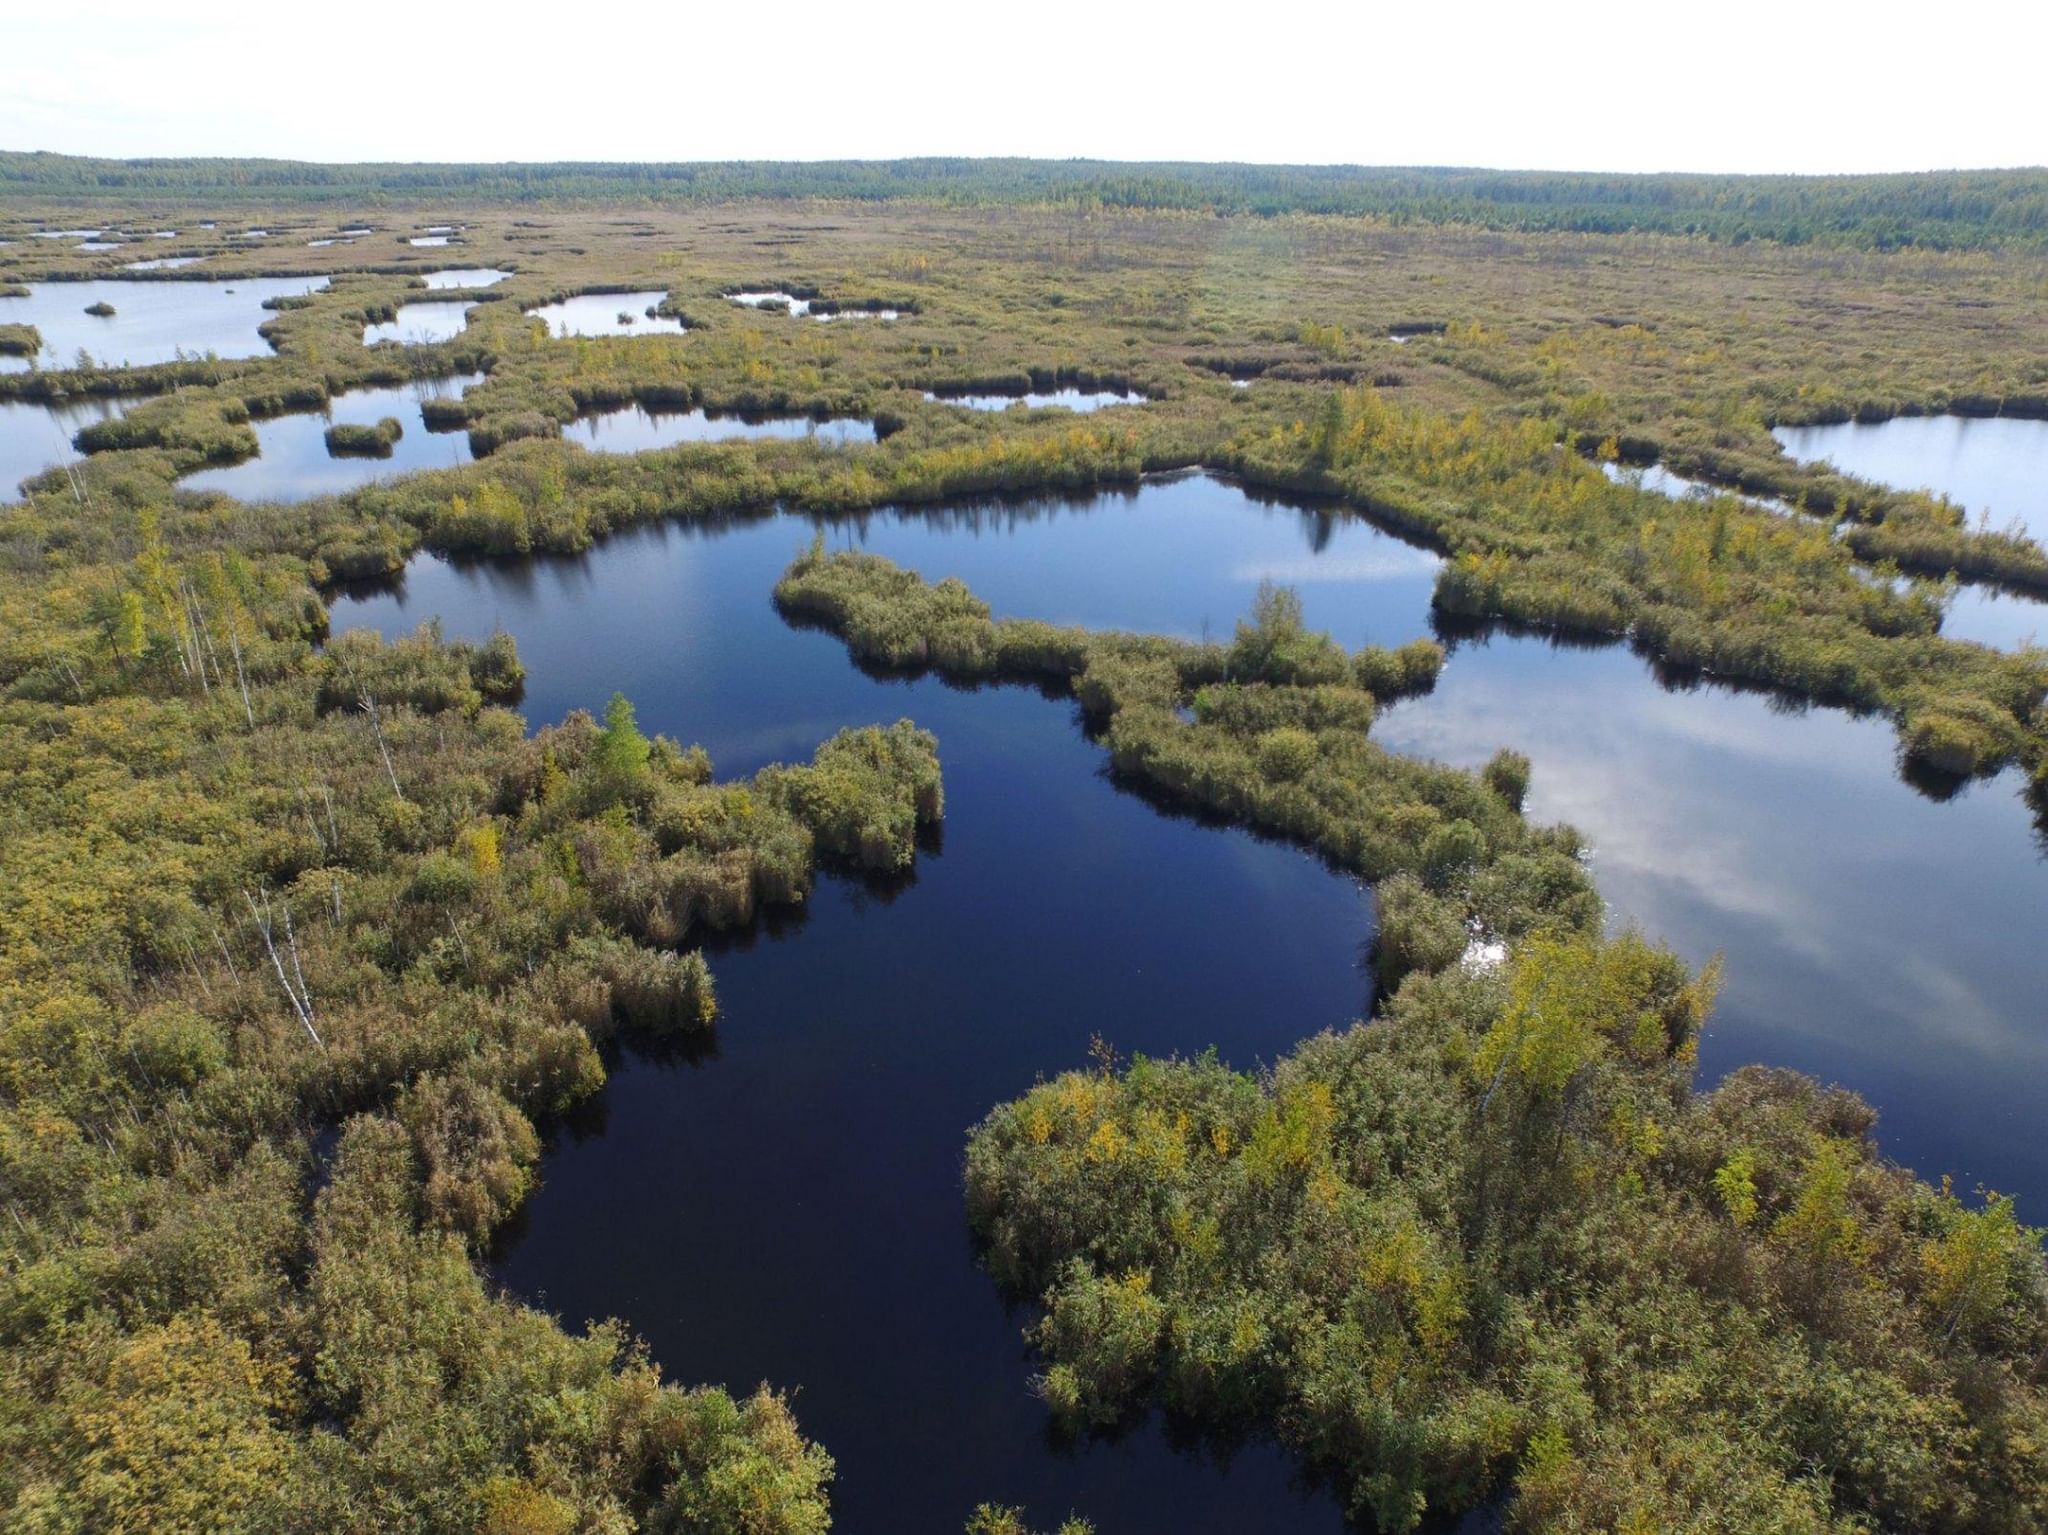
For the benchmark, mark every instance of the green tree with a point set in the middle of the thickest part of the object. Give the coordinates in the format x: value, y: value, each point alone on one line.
x: 620, y: 756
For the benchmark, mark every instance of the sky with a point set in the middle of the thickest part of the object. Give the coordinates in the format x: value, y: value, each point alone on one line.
x: 1732, y: 85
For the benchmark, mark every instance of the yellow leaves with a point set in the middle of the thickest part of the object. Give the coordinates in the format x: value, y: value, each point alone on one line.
x: 1970, y: 1266
x: 1081, y: 1097
x: 1198, y: 1237
x: 1395, y: 1263
x: 1293, y: 1133
x: 1327, y: 339
x: 1571, y: 998
x: 1821, y: 1226
x: 1219, y: 1139
x: 182, y: 1439
x: 1735, y: 1185
x: 1160, y: 1143
x: 1326, y: 1189
x: 1108, y: 1143
x: 515, y: 1506
x: 480, y: 844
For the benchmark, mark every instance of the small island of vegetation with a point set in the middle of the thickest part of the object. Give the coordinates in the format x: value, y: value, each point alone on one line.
x: 364, y: 440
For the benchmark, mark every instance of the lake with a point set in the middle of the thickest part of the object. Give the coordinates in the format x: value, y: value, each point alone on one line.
x: 608, y: 314
x: 293, y: 462
x: 152, y: 321
x: 789, y: 1207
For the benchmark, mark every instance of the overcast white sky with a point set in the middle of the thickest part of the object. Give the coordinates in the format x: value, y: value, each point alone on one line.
x: 1739, y: 85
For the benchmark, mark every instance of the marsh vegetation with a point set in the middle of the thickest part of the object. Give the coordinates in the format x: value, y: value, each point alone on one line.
x: 316, y: 958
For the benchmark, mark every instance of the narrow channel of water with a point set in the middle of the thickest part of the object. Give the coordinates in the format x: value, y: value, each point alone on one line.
x: 1082, y: 400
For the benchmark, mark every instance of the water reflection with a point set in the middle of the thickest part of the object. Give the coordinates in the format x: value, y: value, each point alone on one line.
x: 609, y: 314
x: 1874, y: 937
x: 633, y: 429
x: 464, y: 277
x: 1667, y: 482
x: 152, y: 321
x: 1995, y: 468
x: 295, y: 462
x: 773, y: 298
x: 35, y: 436
x: 423, y: 323
x: 1067, y: 399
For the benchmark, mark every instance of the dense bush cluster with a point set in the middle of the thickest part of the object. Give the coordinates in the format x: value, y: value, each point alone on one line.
x: 1492, y: 1244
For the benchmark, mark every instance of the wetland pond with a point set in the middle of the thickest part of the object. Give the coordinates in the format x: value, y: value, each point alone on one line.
x: 35, y: 436
x: 787, y: 1206
x: 1082, y: 400
x: 608, y: 314
x: 423, y: 323
x: 635, y: 429
x: 1995, y: 467
x: 152, y: 321
x: 464, y: 277
x: 294, y: 461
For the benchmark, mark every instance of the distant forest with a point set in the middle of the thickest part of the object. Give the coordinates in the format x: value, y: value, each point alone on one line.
x: 1941, y: 209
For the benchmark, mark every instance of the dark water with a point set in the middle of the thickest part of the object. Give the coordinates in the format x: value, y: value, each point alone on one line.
x: 422, y: 323
x: 790, y: 1209
x: 35, y: 437
x: 632, y: 429
x: 293, y: 462
x: 1995, y: 468
x: 598, y: 314
x: 152, y: 321
x: 1068, y: 399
